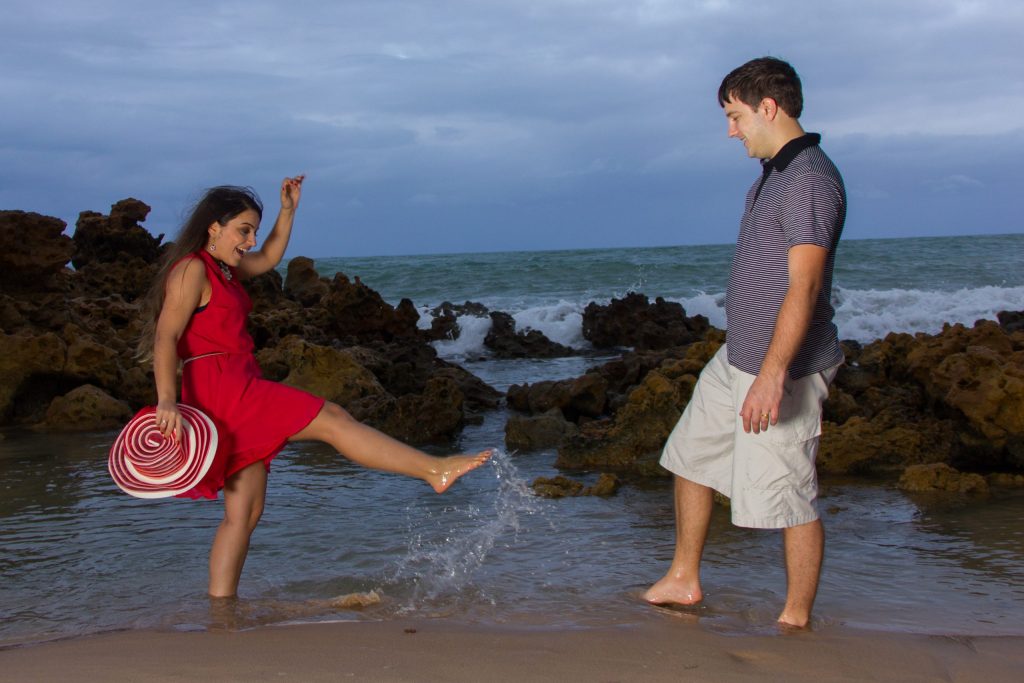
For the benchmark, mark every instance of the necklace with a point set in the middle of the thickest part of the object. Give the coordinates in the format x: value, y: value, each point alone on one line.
x: 224, y: 269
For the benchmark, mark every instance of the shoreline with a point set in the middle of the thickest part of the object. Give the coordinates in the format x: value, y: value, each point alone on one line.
x: 665, y: 648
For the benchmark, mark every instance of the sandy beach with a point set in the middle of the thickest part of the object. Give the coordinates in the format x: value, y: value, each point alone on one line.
x: 439, y: 650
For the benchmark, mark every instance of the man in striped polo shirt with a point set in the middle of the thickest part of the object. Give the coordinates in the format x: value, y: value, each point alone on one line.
x: 751, y: 428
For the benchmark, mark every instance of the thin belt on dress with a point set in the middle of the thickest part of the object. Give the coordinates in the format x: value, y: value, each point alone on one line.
x: 204, y: 355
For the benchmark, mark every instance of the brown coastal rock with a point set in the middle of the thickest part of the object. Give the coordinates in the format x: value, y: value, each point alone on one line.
x: 114, y: 254
x: 356, y: 313
x: 331, y: 373
x: 90, y: 361
x: 961, y: 391
x: 630, y: 440
x: 303, y: 283
x: 940, y: 477
x: 505, y: 341
x: 534, y: 432
x: 444, y: 319
x: 61, y: 329
x: 634, y: 321
x: 108, y: 239
x: 586, y: 395
x: 433, y: 416
x: 84, y: 408
x: 30, y: 373
x: 561, y: 486
x: 34, y: 252
x: 886, y: 444
x: 435, y: 413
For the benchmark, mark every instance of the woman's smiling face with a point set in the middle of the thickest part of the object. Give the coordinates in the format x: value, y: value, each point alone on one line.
x: 231, y: 242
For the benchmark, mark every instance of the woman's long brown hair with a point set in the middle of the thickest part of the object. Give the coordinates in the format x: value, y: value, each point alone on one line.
x: 218, y: 204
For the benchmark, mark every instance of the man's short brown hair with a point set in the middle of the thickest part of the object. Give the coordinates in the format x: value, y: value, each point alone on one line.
x: 760, y: 78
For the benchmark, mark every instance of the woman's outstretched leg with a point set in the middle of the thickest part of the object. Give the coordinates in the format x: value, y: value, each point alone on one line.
x: 244, y: 493
x: 370, y: 448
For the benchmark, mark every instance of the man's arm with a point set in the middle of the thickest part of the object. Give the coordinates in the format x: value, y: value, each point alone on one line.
x: 806, y: 264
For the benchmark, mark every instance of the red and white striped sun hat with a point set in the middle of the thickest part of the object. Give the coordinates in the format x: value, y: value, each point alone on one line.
x: 146, y: 465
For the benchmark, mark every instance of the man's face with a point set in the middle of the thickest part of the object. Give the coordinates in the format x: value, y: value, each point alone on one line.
x: 750, y: 126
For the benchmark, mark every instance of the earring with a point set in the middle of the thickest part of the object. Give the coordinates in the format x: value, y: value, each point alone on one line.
x: 213, y: 245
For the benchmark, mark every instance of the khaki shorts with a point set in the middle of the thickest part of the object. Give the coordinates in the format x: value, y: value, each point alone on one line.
x: 770, y: 477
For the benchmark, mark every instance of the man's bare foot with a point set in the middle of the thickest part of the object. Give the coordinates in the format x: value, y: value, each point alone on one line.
x: 449, y: 469
x: 788, y: 623
x: 671, y: 590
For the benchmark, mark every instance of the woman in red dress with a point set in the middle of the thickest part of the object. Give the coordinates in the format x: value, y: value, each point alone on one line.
x: 198, y: 312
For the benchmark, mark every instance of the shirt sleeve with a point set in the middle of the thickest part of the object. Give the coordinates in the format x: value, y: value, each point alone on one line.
x: 812, y: 210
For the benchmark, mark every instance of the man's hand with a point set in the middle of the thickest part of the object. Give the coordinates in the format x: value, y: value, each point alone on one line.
x: 761, y: 405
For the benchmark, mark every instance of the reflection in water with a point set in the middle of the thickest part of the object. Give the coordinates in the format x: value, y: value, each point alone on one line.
x: 234, y: 614
x: 77, y: 556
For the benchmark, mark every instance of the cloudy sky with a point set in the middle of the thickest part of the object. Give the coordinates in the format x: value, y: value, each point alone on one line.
x: 490, y: 125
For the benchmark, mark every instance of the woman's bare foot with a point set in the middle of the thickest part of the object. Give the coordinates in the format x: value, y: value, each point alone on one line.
x: 672, y: 590
x: 449, y: 469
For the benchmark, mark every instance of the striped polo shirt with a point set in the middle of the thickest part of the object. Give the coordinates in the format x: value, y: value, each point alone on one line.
x: 799, y: 199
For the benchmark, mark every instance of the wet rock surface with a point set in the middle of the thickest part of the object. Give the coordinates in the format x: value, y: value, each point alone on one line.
x: 561, y: 486
x: 636, y: 322
x: 505, y: 341
x: 955, y: 398
x: 68, y: 336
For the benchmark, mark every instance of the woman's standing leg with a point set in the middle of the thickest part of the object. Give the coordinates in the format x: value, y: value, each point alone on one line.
x: 370, y: 448
x: 244, y: 493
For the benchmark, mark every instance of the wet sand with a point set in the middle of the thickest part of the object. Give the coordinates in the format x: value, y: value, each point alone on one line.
x: 442, y: 650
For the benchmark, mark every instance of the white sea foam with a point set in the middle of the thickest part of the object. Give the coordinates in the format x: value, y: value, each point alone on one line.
x: 866, y: 315
x: 862, y: 315
x: 561, y: 322
x: 470, y: 342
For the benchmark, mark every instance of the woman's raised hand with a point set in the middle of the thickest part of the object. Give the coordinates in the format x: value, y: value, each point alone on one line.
x: 291, y: 191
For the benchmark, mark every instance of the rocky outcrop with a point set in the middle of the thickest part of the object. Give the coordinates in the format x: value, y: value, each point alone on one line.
x: 68, y: 337
x: 86, y: 408
x: 955, y: 398
x: 331, y: 373
x: 303, y: 283
x: 505, y: 342
x: 634, y: 321
x: 630, y: 440
x: 593, y: 401
x: 115, y: 237
x: 34, y: 252
x: 356, y: 313
x: 444, y: 319
x: 585, y: 396
x: 938, y: 477
x: 535, y: 432
x: 561, y: 486
x: 31, y: 367
x: 114, y: 255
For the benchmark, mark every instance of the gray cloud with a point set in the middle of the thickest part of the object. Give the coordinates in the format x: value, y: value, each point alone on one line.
x: 467, y: 125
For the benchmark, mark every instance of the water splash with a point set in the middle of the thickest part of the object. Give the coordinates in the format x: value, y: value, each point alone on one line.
x: 442, y: 561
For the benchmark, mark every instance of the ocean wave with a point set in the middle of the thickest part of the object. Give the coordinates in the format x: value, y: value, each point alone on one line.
x: 861, y: 315
x: 867, y: 315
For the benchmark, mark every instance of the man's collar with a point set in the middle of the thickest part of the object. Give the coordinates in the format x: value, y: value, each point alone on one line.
x: 789, y: 151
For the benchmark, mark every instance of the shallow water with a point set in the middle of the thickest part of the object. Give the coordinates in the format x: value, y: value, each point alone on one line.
x: 77, y: 556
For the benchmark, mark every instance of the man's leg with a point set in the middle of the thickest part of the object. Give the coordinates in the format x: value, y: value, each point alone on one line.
x: 681, y: 585
x: 805, y: 546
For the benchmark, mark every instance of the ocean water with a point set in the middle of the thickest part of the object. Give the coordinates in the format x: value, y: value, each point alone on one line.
x: 879, y: 286
x: 77, y: 556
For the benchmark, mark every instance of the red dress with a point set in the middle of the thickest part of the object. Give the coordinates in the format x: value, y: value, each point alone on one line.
x: 254, y: 416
